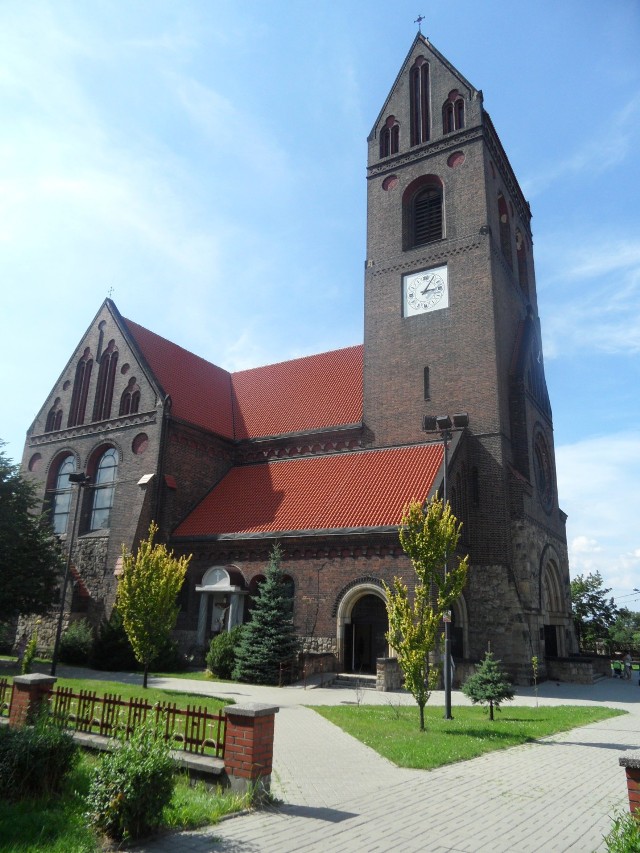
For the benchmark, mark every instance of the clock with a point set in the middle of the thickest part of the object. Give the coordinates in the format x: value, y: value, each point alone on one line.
x: 424, y: 291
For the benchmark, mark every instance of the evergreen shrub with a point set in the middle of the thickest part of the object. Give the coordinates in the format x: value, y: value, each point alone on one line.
x: 76, y: 644
x: 221, y: 657
x: 269, y: 638
x: 488, y: 685
x: 35, y: 760
x: 132, y: 785
x: 111, y: 648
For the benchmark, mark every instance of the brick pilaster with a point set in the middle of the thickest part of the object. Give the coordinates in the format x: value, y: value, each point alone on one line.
x: 29, y: 692
x: 248, y: 752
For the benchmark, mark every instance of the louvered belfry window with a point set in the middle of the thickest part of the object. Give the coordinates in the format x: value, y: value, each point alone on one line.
x: 427, y: 216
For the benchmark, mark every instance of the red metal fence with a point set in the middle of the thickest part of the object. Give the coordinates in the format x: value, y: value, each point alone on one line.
x: 194, y: 729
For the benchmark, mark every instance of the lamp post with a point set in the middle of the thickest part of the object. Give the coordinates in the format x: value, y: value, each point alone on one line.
x: 444, y: 426
x: 81, y: 479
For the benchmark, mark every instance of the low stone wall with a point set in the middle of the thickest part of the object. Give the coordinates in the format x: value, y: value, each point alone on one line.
x: 578, y: 670
x: 388, y: 675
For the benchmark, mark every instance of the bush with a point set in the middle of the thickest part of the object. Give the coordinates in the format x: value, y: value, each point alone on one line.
x: 625, y: 833
x: 35, y: 760
x: 29, y: 653
x: 76, y: 644
x: 221, y: 657
x: 488, y: 685
x: 112, y: 649
x: 169, y: 658
x: 132, y: 785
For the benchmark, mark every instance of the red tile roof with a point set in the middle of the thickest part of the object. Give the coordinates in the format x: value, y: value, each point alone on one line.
x: 304, y: 394
x: 362, y: 489
x: 200, y: 392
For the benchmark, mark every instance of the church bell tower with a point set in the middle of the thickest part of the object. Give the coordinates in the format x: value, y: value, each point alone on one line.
x: 451, y: 326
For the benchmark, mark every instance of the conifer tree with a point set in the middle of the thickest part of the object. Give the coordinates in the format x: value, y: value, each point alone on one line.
x: 269, y: 638
x: 488, y: 685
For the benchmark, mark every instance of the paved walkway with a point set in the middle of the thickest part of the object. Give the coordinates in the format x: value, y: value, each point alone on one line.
x: 339, y: 795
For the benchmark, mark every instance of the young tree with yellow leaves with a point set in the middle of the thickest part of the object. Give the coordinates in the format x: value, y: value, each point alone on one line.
x: 429, y: 534
x: 147, y: 597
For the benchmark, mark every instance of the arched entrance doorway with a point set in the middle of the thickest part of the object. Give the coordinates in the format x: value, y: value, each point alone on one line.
x: 364, y: 634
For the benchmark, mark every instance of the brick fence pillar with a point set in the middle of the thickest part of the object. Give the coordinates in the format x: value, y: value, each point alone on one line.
x: 248, y: 750
x: 29, y: 692
x: 631, y: 765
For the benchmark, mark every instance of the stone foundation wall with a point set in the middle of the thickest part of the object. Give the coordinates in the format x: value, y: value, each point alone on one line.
x: 319, y: 645
x: 578, y: 670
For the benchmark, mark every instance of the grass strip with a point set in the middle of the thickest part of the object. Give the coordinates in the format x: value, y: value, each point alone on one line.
x: 393, y: 730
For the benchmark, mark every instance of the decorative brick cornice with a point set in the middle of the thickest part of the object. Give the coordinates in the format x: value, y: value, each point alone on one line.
x: 434, y: 254
x: 424, y: 152
x: 384, y: 545
x: 65, y: 436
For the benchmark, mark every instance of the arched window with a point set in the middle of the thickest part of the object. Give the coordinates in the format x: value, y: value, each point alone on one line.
x: 104, y: 484
x: 61, y: 495
x: 521, y: 254
x: 423, y: 211
x: 80, y: 390
x: 106, y: 378
x: 130, y: 400
x: 390, y: 137
x: 419, y: 101
x: 505, y: 229
x: 453, y: 112
x: 427, y: 216
x: 54, y: 418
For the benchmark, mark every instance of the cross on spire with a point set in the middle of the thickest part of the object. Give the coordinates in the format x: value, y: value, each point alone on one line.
x: 419, y: 21
x: 110, y: 292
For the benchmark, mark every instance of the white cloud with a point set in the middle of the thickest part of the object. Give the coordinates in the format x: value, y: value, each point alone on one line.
x: 598, y: 486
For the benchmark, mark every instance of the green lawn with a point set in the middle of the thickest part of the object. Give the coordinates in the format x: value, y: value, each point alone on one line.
x: 393, y: 731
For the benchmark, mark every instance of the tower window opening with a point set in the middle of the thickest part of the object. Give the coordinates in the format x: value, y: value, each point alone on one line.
x: 419, y: 103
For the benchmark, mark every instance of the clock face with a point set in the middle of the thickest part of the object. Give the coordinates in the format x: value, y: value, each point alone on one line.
x: 425, y: 291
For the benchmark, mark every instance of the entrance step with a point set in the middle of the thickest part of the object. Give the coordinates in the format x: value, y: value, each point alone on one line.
x: 355, y: 681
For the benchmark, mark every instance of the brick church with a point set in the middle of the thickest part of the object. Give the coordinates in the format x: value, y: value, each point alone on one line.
x: 321, y: 453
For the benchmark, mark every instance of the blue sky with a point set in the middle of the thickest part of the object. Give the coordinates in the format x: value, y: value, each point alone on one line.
x: 206, y: 160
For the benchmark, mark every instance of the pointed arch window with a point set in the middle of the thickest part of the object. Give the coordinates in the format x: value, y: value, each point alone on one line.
x: 60, y: 505
x: 390, y: 137
x: 104, y: 489
x: 453, y: 112
x: 106, y: 379
x: 505, y: 229
x: 130, y: 400
x: 80, y: 391
x: 54, y: 417
x: 419, y: 101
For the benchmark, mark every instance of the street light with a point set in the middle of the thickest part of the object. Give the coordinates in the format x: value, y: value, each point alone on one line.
x: 444, y: 425
x: 81, y: 480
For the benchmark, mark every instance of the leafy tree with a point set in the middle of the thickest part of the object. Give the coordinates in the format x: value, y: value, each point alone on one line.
x: 147, y: 597
x: 428, y: 534
x: 488, y: 685
x: 269, y: 638
x: 31, y: 560
x: 625, y: 631
x: 593, y: 613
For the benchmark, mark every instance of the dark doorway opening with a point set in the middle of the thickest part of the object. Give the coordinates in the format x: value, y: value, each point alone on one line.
x: 550, y: 641
x: 365, y: 639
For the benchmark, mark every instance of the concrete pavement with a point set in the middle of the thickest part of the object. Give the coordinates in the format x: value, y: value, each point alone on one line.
x: 339, y: 795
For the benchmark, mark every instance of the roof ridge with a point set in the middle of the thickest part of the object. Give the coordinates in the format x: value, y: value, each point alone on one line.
x: 297, y: 359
